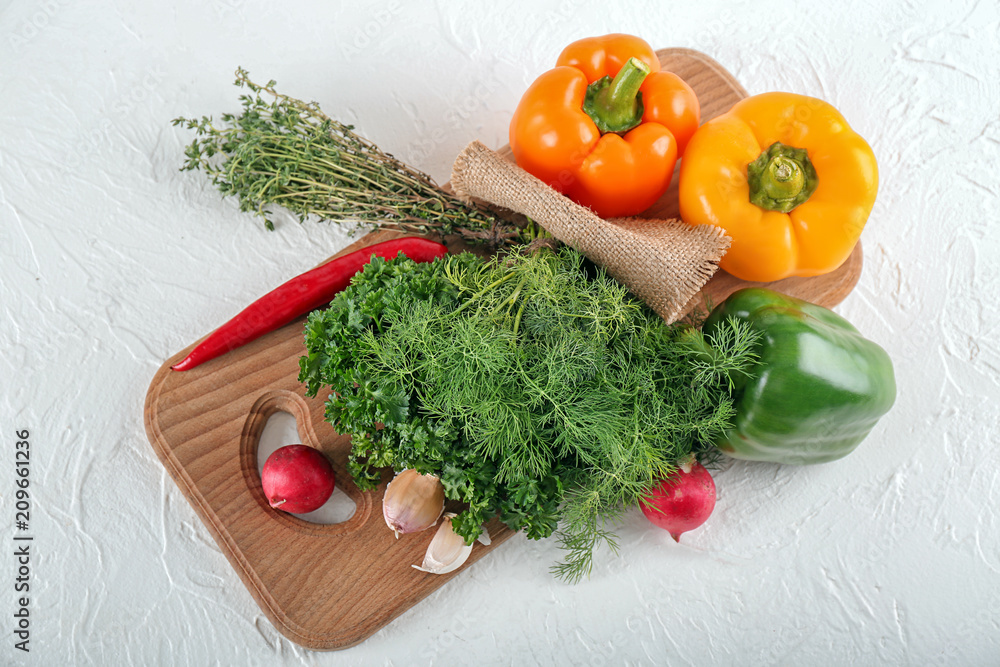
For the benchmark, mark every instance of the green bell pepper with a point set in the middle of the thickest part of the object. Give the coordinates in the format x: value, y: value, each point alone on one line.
x: 819, y: 386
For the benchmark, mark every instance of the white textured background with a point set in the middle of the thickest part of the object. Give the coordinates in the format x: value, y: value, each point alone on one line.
x: 111, y: 260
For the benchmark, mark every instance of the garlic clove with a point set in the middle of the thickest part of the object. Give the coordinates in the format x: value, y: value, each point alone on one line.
x: 448, y: 551
x: 412, y: 502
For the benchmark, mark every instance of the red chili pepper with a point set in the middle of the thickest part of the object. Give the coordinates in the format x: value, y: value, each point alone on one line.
x: 300, y: 295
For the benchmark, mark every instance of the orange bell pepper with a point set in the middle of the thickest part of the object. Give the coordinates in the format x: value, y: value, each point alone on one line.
x: 788, y: 180
x: 605, y: 127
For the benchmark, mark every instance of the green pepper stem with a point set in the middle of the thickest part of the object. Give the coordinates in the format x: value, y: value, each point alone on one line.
x: 615, y: 105
x: 781, y: 178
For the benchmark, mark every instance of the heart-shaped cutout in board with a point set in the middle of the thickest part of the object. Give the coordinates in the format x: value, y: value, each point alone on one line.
x: 281, y: 428
x: 322, y: 586
x: 336, y: 450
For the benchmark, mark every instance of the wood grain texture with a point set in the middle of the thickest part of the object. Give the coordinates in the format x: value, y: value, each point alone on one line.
x: 332, y: 586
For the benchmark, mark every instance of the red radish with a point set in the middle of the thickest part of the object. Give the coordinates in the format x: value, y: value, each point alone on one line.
x: 683, y: 501
x: 297, y: 479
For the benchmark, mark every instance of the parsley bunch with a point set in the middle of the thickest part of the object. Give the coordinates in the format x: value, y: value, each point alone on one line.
x: 533, y: 385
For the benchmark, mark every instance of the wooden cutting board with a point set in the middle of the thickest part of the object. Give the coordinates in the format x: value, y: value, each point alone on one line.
x: 332, y: 586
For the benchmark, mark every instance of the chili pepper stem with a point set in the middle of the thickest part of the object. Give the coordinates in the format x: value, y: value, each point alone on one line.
x: 781, y: 178
x: 615, y: 105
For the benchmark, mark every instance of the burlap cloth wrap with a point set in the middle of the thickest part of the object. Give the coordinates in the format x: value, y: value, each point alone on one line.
x: 663, y: 262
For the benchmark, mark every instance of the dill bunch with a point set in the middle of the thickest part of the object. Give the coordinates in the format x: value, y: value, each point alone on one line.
x: 280, y: 151
x: 535, y: 386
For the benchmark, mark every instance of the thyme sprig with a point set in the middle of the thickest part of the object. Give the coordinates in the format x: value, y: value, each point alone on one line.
x: 282, y: 151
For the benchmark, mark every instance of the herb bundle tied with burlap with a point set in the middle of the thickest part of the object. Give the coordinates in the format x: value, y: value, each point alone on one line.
x: 281, y: 151
x: 663, y: 262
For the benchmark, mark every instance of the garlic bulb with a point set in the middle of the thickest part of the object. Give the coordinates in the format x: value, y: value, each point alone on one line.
x: 448, y: 551
x: 412, y: 502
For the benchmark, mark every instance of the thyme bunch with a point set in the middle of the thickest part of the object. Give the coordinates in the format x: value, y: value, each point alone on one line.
x: 281, y: 151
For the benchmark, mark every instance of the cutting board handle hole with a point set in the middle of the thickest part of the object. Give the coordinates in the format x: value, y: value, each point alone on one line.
x: 280, y: 418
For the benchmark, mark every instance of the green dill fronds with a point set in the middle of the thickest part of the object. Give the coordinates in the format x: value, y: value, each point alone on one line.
x: 585, y: 528
x: 535, y: 386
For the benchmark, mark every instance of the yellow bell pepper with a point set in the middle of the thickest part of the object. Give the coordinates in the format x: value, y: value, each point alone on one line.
x: 789, y: 181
